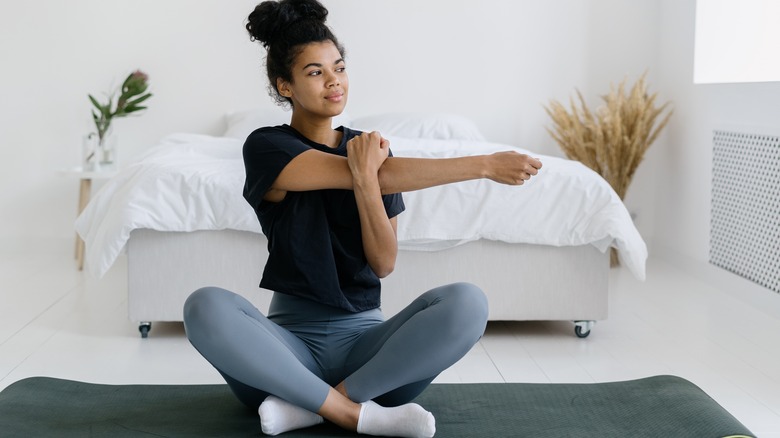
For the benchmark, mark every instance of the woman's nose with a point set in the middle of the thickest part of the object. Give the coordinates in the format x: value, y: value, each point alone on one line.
x: 332, y: 80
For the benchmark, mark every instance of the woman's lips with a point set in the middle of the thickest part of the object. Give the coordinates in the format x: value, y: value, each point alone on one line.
x: 335, y: 97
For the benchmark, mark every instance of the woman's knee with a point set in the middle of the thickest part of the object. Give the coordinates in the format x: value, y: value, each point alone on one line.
x: 206, y: 310
x: 468, y: 297
x: 467, y: 305
x: 202, y: 302
x: 471, y: 295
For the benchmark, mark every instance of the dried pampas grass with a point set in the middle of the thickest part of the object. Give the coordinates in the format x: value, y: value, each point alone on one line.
x: 613, y: 139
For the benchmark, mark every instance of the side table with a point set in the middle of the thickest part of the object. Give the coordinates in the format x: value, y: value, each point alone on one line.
x: 85, y: 191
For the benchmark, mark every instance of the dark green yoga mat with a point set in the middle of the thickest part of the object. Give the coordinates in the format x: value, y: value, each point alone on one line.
x: 661, y: 406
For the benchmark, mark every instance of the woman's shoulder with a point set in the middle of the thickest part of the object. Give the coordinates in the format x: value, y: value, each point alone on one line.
x: 271, y: 137
x: 286, y: 137
x: 271, y: 132
x: 271, y: 145
x: 349, y: 132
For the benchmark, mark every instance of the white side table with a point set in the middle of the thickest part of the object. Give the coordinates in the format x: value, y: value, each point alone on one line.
x: 85, y: 191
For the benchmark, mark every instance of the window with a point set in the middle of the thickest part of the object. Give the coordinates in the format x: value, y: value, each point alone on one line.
x: 737, y: 41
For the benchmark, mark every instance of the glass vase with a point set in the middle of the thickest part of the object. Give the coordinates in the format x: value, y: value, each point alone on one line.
x: 99, y: 153
x: 107, y: 147
x: 89, y: 155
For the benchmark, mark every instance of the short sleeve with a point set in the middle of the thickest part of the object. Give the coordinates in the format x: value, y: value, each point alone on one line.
x: 394, y: 204
x: 266, y: 153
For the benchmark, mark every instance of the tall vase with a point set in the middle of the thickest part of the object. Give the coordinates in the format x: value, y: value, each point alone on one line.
x: 107, y: 147
x: 99, y: 153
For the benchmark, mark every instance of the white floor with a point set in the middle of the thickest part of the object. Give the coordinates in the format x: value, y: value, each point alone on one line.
x: 56, y: 321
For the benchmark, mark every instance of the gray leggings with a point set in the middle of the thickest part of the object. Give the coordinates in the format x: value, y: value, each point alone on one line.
x: 303, y: 348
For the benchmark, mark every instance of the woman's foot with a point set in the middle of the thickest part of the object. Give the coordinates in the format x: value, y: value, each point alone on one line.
x: 277, y: 416
x: 409, y: 420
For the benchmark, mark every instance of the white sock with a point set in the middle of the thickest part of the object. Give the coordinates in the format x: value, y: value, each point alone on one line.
x: 409, y: 420
x: 277, y: 416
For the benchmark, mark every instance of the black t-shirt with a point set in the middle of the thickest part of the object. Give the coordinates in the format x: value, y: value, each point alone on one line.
x: 314, y: 238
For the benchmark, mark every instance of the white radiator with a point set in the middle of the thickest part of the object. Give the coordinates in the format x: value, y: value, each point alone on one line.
x: 745, y: 228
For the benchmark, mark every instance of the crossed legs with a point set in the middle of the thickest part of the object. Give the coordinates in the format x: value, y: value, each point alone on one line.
x: 390, y: 363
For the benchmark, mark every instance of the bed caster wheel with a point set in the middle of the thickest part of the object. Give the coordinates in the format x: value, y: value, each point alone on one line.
x: 144, y: 328
x: 582, y: 328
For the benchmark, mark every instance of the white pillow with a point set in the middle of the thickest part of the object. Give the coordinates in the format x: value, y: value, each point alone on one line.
x: 421, y: 125
x: 241, y: 123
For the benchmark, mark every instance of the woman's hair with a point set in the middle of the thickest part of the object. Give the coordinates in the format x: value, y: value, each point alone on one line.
x: 284, y: 27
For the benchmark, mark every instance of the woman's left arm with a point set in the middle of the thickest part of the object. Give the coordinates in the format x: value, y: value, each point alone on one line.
x: 366, y: 153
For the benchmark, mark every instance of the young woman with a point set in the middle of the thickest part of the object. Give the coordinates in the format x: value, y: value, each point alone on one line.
x: 327, y: 200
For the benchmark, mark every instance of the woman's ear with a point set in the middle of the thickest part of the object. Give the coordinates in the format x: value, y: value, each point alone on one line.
x: 283, y: 87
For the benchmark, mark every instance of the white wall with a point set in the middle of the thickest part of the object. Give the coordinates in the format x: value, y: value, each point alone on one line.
x: 684, y: 174
x: 495, y: 61
x: 683, y: 170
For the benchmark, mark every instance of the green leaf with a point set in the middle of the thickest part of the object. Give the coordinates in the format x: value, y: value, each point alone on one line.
x: 134, y: 109
x: 95, y: 102
x: 139, y: 100
x: 127, y: 80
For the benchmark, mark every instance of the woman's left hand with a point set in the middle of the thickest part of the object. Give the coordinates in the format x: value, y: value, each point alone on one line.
x: 365, y: 155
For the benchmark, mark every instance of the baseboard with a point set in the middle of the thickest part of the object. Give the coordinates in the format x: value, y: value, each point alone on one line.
x: 731, y: 284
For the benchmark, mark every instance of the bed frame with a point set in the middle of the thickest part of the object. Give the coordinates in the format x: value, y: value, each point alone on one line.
x: 522, y: 281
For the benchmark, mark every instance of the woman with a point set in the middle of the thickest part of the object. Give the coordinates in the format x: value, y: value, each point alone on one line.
x: 327, y: 200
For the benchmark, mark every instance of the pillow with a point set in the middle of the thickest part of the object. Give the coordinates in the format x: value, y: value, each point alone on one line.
x: 421, y: 125
x: 241, y: 123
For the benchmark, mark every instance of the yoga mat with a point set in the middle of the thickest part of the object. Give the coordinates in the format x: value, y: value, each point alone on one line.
x: 651, y: 407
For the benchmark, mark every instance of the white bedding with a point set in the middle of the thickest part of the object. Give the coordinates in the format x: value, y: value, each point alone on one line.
x: 194, y: 182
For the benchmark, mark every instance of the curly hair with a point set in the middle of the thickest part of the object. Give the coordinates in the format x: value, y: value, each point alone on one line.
x: 284, y: 28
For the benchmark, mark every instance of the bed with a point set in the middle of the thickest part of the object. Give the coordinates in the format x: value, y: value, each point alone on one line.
x: 539, y: 251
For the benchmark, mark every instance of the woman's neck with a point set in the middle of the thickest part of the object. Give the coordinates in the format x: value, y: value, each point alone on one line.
x: 318, y: 130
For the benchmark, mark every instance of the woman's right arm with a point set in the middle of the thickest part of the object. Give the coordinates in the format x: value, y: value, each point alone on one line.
x: 400, y: 174
x: 315, y: 170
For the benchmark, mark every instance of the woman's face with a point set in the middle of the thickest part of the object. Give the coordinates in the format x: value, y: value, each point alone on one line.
x: 320, y: 84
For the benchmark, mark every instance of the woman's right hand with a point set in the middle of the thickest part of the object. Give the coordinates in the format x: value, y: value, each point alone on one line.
x: 365, y: 155
x: 511, y: 167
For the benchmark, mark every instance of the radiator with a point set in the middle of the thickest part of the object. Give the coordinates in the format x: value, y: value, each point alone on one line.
x: 745, y: 220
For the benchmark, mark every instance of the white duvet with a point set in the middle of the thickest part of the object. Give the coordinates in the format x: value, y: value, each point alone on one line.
x: 194, y: 182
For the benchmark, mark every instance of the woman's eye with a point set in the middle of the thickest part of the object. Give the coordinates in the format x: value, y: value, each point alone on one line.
x: 341, y: 69
x: 315, y: 73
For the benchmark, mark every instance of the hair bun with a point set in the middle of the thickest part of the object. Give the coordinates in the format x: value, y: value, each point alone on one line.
x: 270, y: 19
